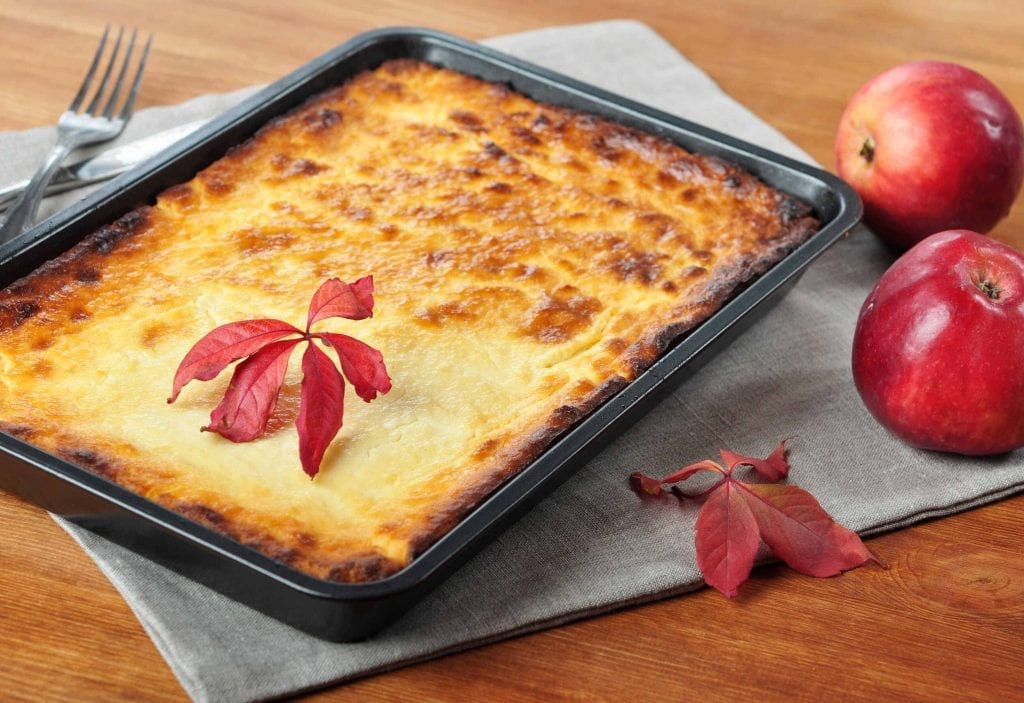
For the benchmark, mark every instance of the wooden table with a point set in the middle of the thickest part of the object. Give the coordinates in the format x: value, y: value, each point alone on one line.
x: 946, y: 621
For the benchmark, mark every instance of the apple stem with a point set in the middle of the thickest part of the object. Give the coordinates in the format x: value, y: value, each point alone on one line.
x: 867, y: 150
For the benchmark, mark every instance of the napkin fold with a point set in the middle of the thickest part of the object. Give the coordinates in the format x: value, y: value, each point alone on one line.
x: 591, y: 546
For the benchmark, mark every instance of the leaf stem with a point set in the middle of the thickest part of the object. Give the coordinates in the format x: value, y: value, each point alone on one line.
x: 680, y: 494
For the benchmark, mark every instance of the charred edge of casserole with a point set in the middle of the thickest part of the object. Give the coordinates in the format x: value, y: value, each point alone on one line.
x: 301, y: 554
x: 316, y: 116
x: 96, y: 462
x: 26, y: 297
x: 22, y: 432
x: 84, y: 456
x: 361, y: 568
x: 640, y: 356
x: 516, y: 457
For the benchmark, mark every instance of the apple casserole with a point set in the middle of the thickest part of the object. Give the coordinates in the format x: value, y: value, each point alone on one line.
x: 529, y: 262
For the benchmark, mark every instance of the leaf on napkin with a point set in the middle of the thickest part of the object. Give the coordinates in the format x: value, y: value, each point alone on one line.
x: 726, y: 538
x: 251, y: 396
x: 801, y: 533
x: 737, y: 515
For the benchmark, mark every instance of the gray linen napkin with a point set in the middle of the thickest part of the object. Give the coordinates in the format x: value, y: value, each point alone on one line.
x: 592, y: 545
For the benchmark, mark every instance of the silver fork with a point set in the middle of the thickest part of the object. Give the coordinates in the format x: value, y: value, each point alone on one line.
x: 76, y: 129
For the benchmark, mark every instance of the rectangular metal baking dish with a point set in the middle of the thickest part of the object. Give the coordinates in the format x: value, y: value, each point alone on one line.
x: 344, y: 612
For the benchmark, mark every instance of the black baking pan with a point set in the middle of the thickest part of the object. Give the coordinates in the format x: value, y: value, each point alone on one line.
x: 340, y: 611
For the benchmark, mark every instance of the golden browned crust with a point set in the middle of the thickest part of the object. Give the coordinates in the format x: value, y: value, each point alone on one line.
x: 553, y: 254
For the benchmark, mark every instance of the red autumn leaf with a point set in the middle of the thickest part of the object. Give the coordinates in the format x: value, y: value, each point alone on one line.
x: 218, y: 348
x: 801, y: 533
x: 320, y: 407
x: 362, y: 365
x: 252, y: 394
x: 736, y: 516
x: 335, y: 298
x: 773, y: 468
x: 726, y: 538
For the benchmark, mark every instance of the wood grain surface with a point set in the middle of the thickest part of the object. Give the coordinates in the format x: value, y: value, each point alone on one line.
x: 945, y: 622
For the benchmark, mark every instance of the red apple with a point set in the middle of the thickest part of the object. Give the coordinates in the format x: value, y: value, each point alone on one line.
x: 931, y: 146
x: 938, y: 354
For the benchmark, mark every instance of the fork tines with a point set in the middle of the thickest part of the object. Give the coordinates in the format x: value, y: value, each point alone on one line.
x: 100, y: 91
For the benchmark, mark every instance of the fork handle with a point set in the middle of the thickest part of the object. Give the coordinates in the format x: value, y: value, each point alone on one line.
x: 23, y: 214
